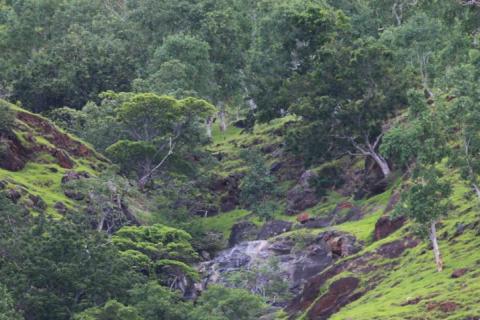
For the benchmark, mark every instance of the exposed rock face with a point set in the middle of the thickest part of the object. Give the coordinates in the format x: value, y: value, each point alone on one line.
x: 60, y: 207
x: 242, y: 231
x: 56, y: 137
x: 274, y: 228
x: 341, y: 244
x: 445, y: 307
x: 385, y: 226
x: 17, y: 152
x: 303, y: 195
x: 14, y: 195
x: 72, y: 176
x: 294, y: 263
x: 346, y: 289
x: 229, y: 187
x: 339, y: 294
x: 69, y: 191
x: 13, y: 155
x: 37, y: 202
x: 74, y: 195
x: 343, y: 212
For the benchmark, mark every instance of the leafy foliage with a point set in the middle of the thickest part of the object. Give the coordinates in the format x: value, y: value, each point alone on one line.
x: 7, y: 117
x: 158, y: 251
x: 66, y: 268
x: 221, y: 303
x: 258, y: 189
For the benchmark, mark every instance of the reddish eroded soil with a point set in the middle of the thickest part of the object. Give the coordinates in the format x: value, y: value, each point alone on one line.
x: 16, y: 154
x: 54, y: 136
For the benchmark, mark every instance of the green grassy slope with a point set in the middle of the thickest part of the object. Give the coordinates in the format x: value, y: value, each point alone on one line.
x: 42, y: 174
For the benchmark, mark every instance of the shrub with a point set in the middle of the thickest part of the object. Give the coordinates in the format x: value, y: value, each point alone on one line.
x: 7, y: 117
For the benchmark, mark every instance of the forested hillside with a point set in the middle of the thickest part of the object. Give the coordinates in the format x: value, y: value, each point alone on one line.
x: 239, y: 159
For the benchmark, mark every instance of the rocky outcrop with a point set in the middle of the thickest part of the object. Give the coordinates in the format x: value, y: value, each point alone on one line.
x: 13, y: 155
x: 229, y: 188
x: 19, y: 148
x: 303, y: 195
x: 386, y: 225
x: 274, y: 228
x: 69, y: 190
x: 242, y: 231
x: 343, y: 212
x: 339, y: 293
x: 57, y: 138
x: 321, y: 306
x: 72, y: 176
x: 285, y: 258
x: 458, y: 273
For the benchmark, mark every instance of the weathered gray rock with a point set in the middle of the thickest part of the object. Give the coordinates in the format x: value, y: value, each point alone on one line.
x: 284, y: 258
x: 274, y: 228
x: 74, y: 195
x: 242, y: 231
x: 60, y: 207
x: 72, y: 176
x: 303, y: 195
x: 37, y: 202
x: 14, y: 195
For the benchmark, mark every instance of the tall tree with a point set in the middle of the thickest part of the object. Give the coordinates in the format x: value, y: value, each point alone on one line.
x: 425, y: 203
x: 156, y: 128
x: 351, y: 94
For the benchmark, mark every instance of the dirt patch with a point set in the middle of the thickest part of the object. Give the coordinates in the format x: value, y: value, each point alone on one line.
x: 445, y: 306
x: 54, y: 136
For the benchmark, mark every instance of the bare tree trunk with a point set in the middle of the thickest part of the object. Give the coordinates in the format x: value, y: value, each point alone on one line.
x: 101, y: 222
x: 209, y: 124
x: 382, y: 163
x: 223, y: 117
x: 466, y: 146
x: 436, y: 249
x: 477, y: 189
x: 148, y: 176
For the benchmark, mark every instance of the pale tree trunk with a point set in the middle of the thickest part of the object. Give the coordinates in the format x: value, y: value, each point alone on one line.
x: 369, y: 150
x: 436, y: 249
x: 424, y: 60
x: 222, y: 117
x: 477, y: 189
x: 382, y: 163
x: 473, y: 178
x: 148, y: 175
x: 208, y: 125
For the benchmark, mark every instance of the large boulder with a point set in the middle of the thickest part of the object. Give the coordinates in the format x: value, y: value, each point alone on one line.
x: 312, y: 260
x: 229, y: 188
x: 274, y: 228
x: 72, y: 176
x: 303, y: 195
x: 340, y: 244
x: 13, y: 155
